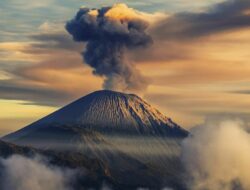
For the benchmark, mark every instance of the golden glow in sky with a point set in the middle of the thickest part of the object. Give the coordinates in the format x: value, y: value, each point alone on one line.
x: 196, y: 70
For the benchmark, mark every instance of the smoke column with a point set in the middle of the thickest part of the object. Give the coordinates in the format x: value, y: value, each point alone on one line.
x: 109, y: 33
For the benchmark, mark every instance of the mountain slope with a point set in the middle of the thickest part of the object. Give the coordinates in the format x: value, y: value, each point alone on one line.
x: 108, y: 112
x: 93, y: 172
x: 138, y: 145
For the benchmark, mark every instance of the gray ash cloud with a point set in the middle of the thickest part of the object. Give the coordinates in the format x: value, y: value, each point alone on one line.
x: 109, y: 33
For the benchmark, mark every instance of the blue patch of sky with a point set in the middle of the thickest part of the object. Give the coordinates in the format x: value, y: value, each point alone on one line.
x: 21, y: 17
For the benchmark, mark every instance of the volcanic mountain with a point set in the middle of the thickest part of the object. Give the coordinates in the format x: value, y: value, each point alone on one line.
x: 139, y: 146
x: 105, y: 112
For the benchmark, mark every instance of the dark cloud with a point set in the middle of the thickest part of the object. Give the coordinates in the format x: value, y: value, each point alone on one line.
x: 241, y: 92
x: 33, y: 94
x: 55, y: 41
x: 157, y: 53
x: 109, y: 36
x: 229, y: 15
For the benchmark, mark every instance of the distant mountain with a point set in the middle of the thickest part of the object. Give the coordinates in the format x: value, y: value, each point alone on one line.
x: 106, y: 112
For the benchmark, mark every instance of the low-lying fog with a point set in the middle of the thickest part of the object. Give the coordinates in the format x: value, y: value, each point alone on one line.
x: 216, y: 156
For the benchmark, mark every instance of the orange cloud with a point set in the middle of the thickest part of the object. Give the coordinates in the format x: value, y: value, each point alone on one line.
x: 190, y: 79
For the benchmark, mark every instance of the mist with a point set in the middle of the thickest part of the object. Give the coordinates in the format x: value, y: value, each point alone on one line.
x: 217, y: 156
x: 21, y: 173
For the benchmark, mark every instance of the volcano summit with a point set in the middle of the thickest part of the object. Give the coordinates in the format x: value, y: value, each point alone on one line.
x: 107, y: 112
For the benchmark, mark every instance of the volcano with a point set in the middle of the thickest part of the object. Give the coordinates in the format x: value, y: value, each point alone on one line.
x: 135, y: 144
x: 107, y: 112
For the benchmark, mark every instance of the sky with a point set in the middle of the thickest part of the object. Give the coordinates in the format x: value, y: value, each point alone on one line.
x: 198, y: 66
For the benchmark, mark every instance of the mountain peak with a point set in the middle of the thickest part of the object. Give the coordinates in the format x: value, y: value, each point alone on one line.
x: 109, y: 112
x: 111, y: 95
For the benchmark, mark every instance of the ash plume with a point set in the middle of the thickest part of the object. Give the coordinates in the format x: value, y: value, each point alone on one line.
x: 109, y: 33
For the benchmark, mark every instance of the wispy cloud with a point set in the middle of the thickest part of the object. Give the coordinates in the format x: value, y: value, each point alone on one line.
x: 49, y: 63
x: 226, y: 16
